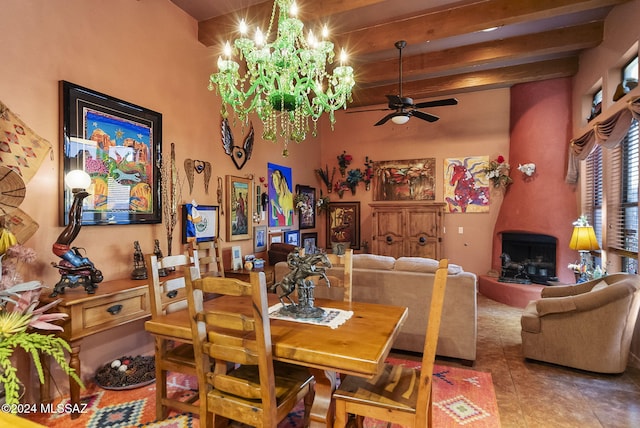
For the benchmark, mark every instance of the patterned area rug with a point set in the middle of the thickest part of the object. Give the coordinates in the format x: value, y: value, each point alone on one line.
x: 462, y: 398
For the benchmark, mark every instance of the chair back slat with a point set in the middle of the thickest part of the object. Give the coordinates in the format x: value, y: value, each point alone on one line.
x: 209, y: 256
x: 167, y: 294
x: 423, y: 403
x: 340, y: 275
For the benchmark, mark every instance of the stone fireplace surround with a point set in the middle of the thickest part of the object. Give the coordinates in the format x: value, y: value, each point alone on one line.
x: 543, y: 203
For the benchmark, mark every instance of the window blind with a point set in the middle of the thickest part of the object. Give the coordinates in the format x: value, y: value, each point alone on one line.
x: 622, y: 196
x: 592, y: 204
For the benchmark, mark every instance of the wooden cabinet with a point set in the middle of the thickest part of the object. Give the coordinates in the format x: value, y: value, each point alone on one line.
x: 412, y: 229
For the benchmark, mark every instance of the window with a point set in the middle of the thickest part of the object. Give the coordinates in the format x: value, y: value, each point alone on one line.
x: 630, y: 70
x: 592, y: 206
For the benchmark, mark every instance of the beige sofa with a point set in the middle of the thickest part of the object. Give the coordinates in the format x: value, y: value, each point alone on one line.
x: 588, y: 326
x: 408, y: 282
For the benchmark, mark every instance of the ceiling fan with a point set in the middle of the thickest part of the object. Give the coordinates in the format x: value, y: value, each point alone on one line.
x: 403, y: 107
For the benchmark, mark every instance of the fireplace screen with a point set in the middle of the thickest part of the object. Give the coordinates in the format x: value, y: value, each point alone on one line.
x: 528, y: 258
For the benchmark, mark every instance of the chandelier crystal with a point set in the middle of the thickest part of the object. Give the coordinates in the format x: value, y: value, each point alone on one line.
x: 286, y: 81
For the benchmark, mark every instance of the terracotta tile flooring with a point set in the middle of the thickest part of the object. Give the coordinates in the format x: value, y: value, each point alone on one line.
x: 538, y: 395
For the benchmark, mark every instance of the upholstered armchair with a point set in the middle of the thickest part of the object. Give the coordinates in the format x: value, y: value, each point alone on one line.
x: 588, y: 326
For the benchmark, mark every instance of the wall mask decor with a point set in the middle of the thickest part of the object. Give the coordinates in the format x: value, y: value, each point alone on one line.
x: 239, y: 155
x: 191, y: 166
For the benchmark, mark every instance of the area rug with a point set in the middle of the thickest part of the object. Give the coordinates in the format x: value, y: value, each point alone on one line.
x: 462, y: 398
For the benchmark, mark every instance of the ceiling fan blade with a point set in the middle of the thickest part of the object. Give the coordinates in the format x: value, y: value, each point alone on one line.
x: 438, y: 103
x: 424, y: 116
x: 387, y: 117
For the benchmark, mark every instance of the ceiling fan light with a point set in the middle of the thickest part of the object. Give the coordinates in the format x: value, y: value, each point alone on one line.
x: 400, y: 120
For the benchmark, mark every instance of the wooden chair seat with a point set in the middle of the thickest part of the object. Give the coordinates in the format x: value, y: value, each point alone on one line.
x: 398, y: 394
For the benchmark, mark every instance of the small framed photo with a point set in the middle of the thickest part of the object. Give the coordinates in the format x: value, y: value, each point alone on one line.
x: 292, y: 237
x: 259, y: 239
x: 199, y: 223
x: 236, y: 258
x: 275, y: 237
x: 309, y: 242
x: 306, y: 206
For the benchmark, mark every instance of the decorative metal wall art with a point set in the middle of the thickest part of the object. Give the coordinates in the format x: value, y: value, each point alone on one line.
x: 239, y: 155
x: 191, y: 166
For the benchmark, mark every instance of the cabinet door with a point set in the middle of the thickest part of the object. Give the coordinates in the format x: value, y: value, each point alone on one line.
x: 388, y: 230
x: 422, y: 232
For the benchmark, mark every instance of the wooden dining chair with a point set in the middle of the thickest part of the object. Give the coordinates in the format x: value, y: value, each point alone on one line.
x: 340, y: 278
x: 168, y: 294
x: 209, y: 256
x: 398, y: 394
x: 245, y: 385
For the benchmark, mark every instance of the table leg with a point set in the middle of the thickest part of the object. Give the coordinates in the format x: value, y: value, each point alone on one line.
x: 322, y: 411
x: 74, y: 388
x: 45, y: 390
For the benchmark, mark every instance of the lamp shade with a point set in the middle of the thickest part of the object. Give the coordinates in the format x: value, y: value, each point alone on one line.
x: 583, y: 239
x: 78, y: 179
x: 400, y: 120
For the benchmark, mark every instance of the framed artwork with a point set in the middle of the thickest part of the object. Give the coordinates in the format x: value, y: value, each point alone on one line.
x: 343, y: 224
x: 309, y: 242
x: 306, y: 207
x: 466, y: 186
x: 199, y: 223
x: 239, y: 207
x: 405, y: 180
x: 280, y: 196
x: 118, y: 144
x: 259, y: 239
x: 275, y: 237
x: 236, y: 257
x: 292, y: 237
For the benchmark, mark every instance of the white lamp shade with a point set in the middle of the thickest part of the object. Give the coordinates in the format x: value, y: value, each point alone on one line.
x: 400, y: 120
x: 78, y: 179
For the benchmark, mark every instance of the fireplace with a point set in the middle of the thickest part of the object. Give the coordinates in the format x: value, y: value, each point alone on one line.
x: 528, y: 258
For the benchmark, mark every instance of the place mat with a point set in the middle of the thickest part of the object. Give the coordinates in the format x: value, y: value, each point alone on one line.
x: 332, y: 317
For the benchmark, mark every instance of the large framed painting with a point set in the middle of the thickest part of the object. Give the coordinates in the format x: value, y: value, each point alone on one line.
x: 280, y: 196
x: 343, y: 225
x: 306, y: 206
x: 405, y: 180
x: 466, y: 186
x: 118, y: 144
x: 239, y: 208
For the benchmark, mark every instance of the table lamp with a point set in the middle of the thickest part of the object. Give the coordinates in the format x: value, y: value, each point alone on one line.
x: 75, y: 269
x: 583, y: 240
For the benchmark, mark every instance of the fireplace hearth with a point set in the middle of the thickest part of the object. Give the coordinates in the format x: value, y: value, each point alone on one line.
x: 528, y: 258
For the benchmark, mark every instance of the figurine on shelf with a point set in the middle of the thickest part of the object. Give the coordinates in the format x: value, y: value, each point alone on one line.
x: 158, y: 253
x: 139, y: 266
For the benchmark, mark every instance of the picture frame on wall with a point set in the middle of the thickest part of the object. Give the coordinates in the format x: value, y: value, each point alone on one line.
x: 292, y: 237
x: 306, y: 207
x: 405, y: 180
x: 239, y: 208
x: 309, y: 242
x: 204, y: 227
x: 280, y: 188
x: 117, y: 143
x: 275, y: 237
x: 259, y: 239
x: 343, y: 225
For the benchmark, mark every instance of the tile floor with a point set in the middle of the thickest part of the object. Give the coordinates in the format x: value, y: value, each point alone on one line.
x: 539, y: 395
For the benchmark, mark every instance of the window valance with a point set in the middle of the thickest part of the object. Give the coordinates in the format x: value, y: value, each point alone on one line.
x: 608, y: 133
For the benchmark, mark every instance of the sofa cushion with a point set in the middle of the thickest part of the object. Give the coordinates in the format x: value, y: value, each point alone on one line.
x: 372, y: 261
x: 423, y: 265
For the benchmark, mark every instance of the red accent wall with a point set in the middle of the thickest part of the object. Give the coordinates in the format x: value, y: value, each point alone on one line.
x: 543, y: 203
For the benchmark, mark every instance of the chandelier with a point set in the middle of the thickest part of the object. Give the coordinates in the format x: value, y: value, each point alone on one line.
x: 286, y: 81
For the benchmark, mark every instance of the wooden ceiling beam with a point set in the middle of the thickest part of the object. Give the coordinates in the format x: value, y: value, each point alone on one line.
x: 216, y: 30
x: 459, y: 20
x: 569, y: 39
x: 474, y: 81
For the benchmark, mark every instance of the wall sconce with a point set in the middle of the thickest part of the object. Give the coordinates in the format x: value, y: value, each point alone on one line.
x: 75, y: 270
x: 527, y: 169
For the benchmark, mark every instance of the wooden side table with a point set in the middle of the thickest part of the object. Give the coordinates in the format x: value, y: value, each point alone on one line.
x: 114, y: 303
x: 243, y: 274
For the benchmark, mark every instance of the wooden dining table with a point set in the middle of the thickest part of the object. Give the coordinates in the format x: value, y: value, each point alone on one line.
x: 357, y: 347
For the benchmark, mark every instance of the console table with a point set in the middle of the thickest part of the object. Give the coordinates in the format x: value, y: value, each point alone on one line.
x: 114, y: 303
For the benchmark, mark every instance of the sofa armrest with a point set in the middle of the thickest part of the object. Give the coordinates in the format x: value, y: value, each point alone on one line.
x: 569, y: 290
x: 586, y: 301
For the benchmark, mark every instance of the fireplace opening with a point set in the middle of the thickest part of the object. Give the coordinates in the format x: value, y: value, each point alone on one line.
x: 528, y: 258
